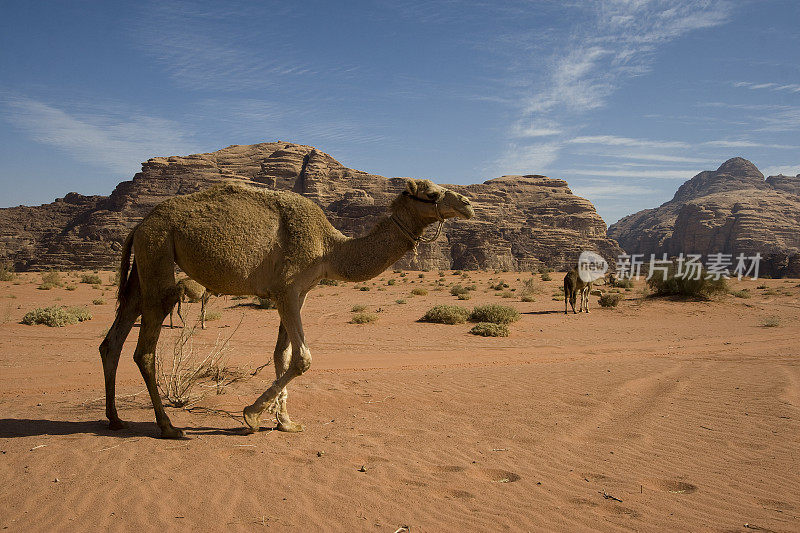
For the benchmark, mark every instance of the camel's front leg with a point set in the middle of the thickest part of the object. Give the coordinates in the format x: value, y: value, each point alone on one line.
x: 298, y: 363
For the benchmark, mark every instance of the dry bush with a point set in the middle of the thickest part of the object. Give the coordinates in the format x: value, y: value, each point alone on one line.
x: 771, y: 322
x: 494, y: 313
x: 610, y: 299
x: 401, y: 301
x: 358, y: 308
x: 98, y: 301
x: 446, y: 314
x: 744, y: 293
x: 188, y: 376
x: 50, y: 280
x: 91, y: 279
x: 488, y: 329
x: 56, y: 316
x: 546, y: 276
x: 419, y: 291
x: 331, y: 282
x: 458, y: 289
x: 363, y: 318
x: 6, y: 272
x: 685, y: 287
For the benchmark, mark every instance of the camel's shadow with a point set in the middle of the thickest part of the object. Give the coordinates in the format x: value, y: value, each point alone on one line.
x: 22, y: 427
x: 548, y: 312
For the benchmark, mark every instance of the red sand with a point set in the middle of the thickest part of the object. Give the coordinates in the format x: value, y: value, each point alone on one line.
x: 687, y: 412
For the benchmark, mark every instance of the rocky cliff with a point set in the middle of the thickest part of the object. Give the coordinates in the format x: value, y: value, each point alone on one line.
x: 730, y: 210
x: 521, y: 222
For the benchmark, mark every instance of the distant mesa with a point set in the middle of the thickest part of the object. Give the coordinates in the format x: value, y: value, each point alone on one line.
x: 730, y: 210
x: 521, y: 222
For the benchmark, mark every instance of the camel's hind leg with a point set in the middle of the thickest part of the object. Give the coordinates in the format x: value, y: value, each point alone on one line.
x: 111, y: 347
x: 283, y: 357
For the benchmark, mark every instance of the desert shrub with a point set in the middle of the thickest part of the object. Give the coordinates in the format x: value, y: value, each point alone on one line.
x: 70, y: 287
x: 56, y: 316
x: 391, y: 282
x: 464, y: 296
x: 6, y: 272
x: 684, y: 287
x: 331, y: 282
x: 98, y: 301
x: 358, y: 308
x: 762, y: 286
x: 50, y: 280
x: 771, y: 322
x: 488, y: 329
x: 625, y: 283
x: 546, y: 276
x: 419, y: 291
x: 363, y: 288
x: 446, y: 314
x: 455, y: 290
x: 507, y: 294
x: 263, y: 303
x: 400, y: 301
x: 499, y: 286
x: 527, y: 297
x: 363, y: 318
x: 402, y: 274
x: 420, y: 276
x: 744, y: 293
x: 441, y: 273
x: 457, y: 272
x: 213, y: 315
x: 770, y: 292
x: 178, y: 378
x: 494, y: 313
x: 91, y: 279
x: 610, y: 299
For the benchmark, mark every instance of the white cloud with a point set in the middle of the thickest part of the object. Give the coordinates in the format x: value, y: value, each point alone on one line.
x: 541, y: 129
x: 612, y: 140
x: 531, y: 159
x: 786, y: 170
x: 107, y: 140
x: 748, y: 144
x: 605, y: 190
x: 654, y: 174
x: 788, y: 87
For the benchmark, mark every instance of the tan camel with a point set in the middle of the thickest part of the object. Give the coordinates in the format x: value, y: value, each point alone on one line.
x: 188, y: 287
x: 241, y: 240
x: 574, y: 286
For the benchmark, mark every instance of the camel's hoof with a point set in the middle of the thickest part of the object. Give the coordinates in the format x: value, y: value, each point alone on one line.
x: 251, y: 416
x: 290, y: 427
x: 171, y: 433
x: 117, y: 424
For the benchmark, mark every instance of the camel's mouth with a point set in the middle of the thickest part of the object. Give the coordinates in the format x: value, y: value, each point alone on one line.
x: 466, y: 211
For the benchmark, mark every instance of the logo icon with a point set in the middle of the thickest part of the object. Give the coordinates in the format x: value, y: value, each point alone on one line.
x: 591, y: 266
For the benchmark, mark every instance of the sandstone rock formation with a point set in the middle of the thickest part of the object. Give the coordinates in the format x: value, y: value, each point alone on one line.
x: 731, y: 210
x: 521, y: 222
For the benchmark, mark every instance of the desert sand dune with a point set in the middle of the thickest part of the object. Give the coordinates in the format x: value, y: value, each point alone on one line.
x: 656, y: 415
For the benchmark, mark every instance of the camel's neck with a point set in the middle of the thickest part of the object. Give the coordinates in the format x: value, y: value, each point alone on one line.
x: 365, y: 257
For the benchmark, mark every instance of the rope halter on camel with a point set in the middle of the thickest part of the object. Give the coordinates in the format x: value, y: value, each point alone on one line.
x: 416, y: 240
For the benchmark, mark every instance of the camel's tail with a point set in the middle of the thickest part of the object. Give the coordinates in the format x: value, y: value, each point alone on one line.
x: 125, y: 270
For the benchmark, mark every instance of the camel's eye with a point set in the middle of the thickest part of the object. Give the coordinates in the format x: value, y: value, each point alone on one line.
x: 436, y: 196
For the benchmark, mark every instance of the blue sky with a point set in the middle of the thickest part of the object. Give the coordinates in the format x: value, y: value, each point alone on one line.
x: 625, y: 99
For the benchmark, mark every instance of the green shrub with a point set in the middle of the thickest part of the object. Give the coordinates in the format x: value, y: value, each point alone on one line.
x: 610, y: 299
x: 391, y: 282
x: 744, y: 293
x: 50, y: 280
x: 363, y: 318
x: 499, y: 286
x: 363, y: 288
x: 331, y: 282
x: 455, y: 290
x: 546, y: 276
x: 91, y: 279
x: 400, y: 301
x: 446, y: 314
x: 6, y: 272
x: 419, y: 291
x: 488, y: 329
x: 98, y: 301
x: 494, y: 313
x: 420, y: 276
x: 358, y: 308
x: 625, y: 283
x: 56, y: 316
x: 683, y: 287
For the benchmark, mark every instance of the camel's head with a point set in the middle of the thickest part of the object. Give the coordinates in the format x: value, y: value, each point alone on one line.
x: 434, y: 202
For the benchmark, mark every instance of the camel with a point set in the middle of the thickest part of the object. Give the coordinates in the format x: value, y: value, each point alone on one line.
x: 241, y: 240
x: 188, y: 287
x: 573, y: 286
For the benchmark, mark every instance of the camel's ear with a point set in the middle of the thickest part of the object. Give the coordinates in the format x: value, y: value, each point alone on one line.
x: 411, y: 187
